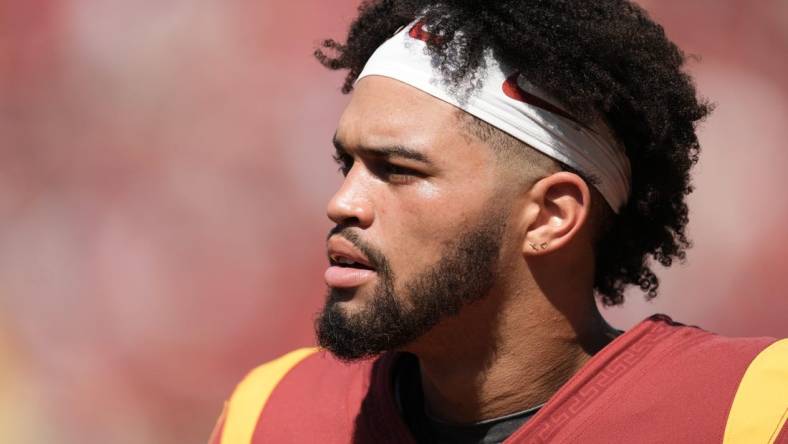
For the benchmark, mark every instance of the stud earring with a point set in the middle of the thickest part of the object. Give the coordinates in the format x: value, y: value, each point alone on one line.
x: 543, y: 245
x: 533, y: 245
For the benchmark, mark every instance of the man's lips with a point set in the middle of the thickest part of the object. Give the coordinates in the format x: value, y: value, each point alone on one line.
x: 347, y: 277
x: 349, y: 267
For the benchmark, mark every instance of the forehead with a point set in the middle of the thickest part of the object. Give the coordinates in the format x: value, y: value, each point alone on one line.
x: 384, y: 111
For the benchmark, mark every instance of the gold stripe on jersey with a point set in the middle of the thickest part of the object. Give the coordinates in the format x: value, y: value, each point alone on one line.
x: 760, y: 406
x: 249, y: 398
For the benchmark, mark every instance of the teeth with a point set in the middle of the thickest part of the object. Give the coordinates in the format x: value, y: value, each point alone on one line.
x: 342, y: 260
x: 345, y: 261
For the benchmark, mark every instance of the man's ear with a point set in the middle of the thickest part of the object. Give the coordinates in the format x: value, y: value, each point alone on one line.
x: 559, y: 207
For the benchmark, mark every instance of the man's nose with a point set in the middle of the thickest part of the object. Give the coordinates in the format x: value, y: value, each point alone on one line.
x: 351, y: 205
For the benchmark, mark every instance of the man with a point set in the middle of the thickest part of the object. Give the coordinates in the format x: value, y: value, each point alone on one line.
x: 505, y: 161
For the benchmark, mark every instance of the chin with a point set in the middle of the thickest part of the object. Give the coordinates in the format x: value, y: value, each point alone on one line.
x: 349, y: 300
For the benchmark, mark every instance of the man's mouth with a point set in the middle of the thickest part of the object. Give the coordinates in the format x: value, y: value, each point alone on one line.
x: 346, y: 262
x: 348, y: 267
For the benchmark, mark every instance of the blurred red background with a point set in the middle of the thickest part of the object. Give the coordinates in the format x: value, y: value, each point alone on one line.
x: 164, y: 169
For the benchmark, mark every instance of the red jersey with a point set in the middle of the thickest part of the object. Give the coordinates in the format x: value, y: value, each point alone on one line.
x: 660, y: 382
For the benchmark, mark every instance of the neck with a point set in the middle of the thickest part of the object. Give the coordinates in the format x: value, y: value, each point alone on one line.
x: 506, y: 354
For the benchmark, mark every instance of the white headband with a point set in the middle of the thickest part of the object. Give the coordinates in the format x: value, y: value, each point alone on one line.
x: 513, y: 105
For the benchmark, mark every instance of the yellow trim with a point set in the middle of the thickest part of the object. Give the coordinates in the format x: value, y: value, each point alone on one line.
x: 760, y: 407
x: 249, y: 398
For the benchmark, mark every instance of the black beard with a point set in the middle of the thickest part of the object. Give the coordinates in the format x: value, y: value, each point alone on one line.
x: 465, y: 273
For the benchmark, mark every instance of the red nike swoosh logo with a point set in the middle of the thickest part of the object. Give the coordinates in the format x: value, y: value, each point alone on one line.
x: 418, y: 32
x: 510, y: 87
x: 513, y: 90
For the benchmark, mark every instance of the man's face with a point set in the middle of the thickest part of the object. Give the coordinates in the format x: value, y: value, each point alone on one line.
x: 420, y: 219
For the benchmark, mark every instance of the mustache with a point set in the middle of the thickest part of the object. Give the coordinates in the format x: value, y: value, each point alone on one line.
x: 375, y: 257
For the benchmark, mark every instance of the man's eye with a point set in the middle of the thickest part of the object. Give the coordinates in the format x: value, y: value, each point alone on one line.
x: 398, y: 170
x: 396, y: 173
x: 345, y: 163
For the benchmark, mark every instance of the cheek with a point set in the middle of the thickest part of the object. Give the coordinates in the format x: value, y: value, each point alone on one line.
x: 409, y: 208
x: 427, y: 191
x: 423, y: 212
x: 418, y: 225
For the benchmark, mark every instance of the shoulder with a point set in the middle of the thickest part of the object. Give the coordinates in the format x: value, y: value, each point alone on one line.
x: 748, y: 377
x: 667, y: 382
x: 239, y: 418
x: 738, y: 385
x: 290, y: 396
x: 687, y: 358
x: 251, y: 395
x: 694, y: 351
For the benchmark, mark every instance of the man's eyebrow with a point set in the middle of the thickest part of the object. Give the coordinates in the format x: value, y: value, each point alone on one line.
x: 385, y: 151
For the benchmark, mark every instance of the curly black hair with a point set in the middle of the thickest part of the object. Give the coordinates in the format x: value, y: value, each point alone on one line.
x: 600, y: 58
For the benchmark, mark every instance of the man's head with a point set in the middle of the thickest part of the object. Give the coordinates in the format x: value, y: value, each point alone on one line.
x: 447, y: 208
x: 431, y: 204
